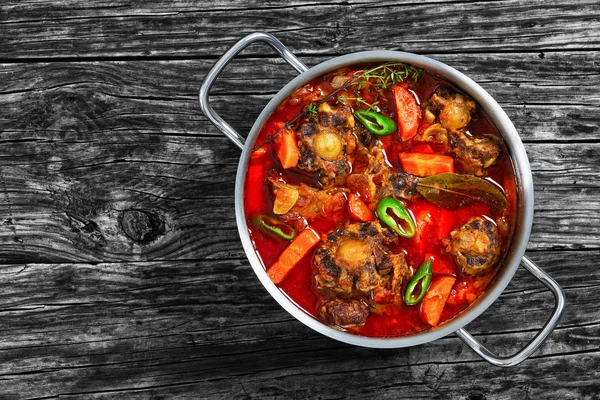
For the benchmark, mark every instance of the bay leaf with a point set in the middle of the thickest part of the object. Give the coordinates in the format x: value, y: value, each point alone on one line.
x: 451, y: 190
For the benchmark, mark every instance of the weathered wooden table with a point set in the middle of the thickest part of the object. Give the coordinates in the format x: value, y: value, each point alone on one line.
x: 122, y: 272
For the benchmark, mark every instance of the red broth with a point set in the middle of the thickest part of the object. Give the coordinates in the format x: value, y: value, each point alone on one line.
x: 433, y: 222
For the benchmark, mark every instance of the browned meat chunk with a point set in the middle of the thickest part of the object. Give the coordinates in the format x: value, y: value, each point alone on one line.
x: 344, y: 313
x: 326, y: 142
x: 376, y: 179
x: 354, y: 262
x: 435, y: 134
x: 452, y: 110
x: 399, y: 184
x: 475, y: 246
x: 475, y: 154
x: 448, y: 116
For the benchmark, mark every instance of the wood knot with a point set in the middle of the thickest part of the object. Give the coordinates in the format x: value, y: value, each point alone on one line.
x: 142, y: 226
x: 476, y: 395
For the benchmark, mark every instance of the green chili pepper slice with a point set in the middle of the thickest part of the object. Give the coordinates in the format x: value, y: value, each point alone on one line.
x: 423, y: 276
x: 376, y: 123
x: 402, y: 223
x: 277, y: 227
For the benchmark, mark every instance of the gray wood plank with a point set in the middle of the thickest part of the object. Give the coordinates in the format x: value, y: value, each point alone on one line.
x: 177, y: 327
x: 149, y: 29
x: 121, y: 270
x: 550, y: 98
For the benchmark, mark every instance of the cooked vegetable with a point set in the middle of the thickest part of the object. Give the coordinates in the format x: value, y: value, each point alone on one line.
x: 376, y: 123
x: 451, y: 190
x: 302, y: 244
x: 435, y: 299
x: 408, y: 112
x: 285, y: 199
x: 286, y: 148
x: 392, y: 213
x: 277, y: 227
x: 358, y: 209
x: 421, y: 164
x: 422, y: 277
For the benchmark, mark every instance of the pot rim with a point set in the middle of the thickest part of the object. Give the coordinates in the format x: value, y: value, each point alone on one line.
x: 524, y: 198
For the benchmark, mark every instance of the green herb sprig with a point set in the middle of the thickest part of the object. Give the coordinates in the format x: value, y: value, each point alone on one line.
x: 389, y: 74
x: 359, y: 101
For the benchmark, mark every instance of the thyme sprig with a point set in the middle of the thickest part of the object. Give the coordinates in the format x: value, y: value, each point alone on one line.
x: 389, y: 74
x: 359, y: 101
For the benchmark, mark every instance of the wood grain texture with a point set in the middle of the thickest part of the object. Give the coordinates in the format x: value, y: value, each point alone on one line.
x: 154, y: 29
x: 545, y: 102
x: 165, y: 327
x: 121, y: 269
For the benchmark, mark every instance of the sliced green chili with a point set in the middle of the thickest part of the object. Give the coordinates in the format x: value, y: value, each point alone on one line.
x: 400, y: 221
x: 423, y: 276
x: 376, y: 123
x: 275, y: 226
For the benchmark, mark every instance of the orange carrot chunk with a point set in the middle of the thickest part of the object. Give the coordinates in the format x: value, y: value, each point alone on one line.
x: 292, y: 255
x: 358, y: 209
x: 286, y: 148
x: 408, y: 112
x: 422, y: 164
x: 435, y: 299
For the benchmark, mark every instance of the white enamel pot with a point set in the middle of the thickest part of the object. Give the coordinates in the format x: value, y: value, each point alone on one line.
x: 513, y: 142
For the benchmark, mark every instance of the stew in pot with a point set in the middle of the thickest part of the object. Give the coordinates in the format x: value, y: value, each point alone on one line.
x: 380, y: 199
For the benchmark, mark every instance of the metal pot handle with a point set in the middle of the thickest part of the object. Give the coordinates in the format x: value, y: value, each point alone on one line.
x: 519, y: 357
x: 222, y: 63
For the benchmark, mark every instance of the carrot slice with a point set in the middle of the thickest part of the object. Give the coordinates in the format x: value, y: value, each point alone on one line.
x: 286, y: 148
x: 435, y: 299
x: 422, y: 164
x: 358, y: 209
x: 408, y: 112
x: 292, y: 255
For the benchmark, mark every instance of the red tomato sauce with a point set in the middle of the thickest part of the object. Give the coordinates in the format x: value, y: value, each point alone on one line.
x: 433, y: 223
